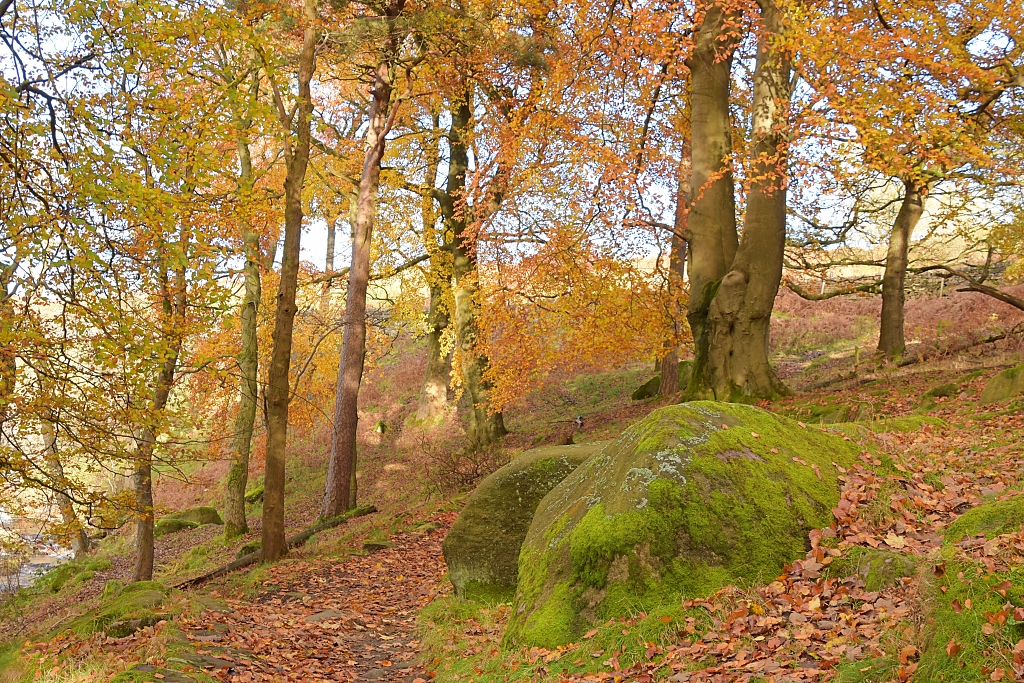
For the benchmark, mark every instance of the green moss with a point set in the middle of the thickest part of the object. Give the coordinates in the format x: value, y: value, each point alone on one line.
x: 868, y: 671
x: 98, y: 564
x: 202, y: 514
x: 82, y: 577
x: 648, y: 389
x: 944, y: 390
x: 13, y: 667
x: 254, y: 495
x: 992, y: 519
x: 482, y: 548
x: 452, y: 631
x: 967, y: 584
x: 249, y: 548
x: 56, y: 578
x: 135, y: 603
x: 903, y: 425
x: 112, y: 588
x: 172, y: 526
x: 692, y: 498
x: 878, y: 569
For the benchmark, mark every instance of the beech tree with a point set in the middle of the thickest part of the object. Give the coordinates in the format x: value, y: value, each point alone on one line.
x: 733, y: 279
x: 296, y: 135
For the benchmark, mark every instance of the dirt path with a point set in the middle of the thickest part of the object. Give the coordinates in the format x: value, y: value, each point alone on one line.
x: 340, y: 619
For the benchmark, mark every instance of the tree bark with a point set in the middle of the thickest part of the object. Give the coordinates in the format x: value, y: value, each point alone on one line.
x: 712, y: 214
x: 173, y: 323
x: 486, y: 427
x: 434, y: 394
x: 278, y: 392
x: 78, y: 538
x: 676, y: 266
x: 339, y: 494
x: 332, y: 229
x: 437, y: 377
x: 740, y: 313
x: 248, y: 367
x: 890, y: 336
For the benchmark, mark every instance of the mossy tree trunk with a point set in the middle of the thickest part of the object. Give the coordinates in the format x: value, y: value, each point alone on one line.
x: 891, y: 341
x: 486, y: 427
x: 278, y: 394
x: 248, y: 367
x: 740, y: 313
x: 434, y: 392
x: 712, y: 213
x: 339, y: 492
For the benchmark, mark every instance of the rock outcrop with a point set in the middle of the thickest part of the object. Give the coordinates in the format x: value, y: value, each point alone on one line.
x: 482, y: 548
x: 692, y: 498
x: 1005, y: 386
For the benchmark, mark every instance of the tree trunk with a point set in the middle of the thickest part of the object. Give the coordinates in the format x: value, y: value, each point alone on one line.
x: 339, y: 493
x: 278, y: 391
x: 79, y: 539
x: 740, y: 312
x: 712, y: 214
x: 332, y: 230
x: 676, y: 267
x: 248, y: 367
x: 485, y: 427
x: 890, y: 337
x: 174, y: 320
x: 437, y: 377
x: 434, y: 394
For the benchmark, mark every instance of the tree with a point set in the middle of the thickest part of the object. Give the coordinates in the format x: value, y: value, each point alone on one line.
x: 733, y: 281
x: 248, y: 355
x: 915, y: 99
x: 337, y: 496
x: 297, y: 136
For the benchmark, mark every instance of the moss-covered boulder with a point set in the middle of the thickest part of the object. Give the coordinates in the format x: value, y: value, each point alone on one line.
x: 199, y: 515
x: 693, y: 497
x: 172, y: 526
x: 124, y: 611
x: 991, y: 519
x: 1007, y: 385
x: 482, y: 548
x: 650, y: 388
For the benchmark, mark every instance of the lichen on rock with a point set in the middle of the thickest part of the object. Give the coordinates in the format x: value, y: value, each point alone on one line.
x: 482, y: 548
x: 692, y: 498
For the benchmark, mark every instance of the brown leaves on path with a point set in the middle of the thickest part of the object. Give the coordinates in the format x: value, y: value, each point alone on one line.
x: 330, y: 619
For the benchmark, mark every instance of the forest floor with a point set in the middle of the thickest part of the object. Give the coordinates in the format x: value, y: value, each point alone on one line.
x: 369, y: 600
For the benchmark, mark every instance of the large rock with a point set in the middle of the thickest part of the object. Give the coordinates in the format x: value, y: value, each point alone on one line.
x: 482, y: 548
x: 1007, y: 385
x: 199, y: 515
x: 692, y: 498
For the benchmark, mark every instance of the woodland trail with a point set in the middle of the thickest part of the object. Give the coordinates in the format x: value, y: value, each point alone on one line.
x: 329, y: 619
